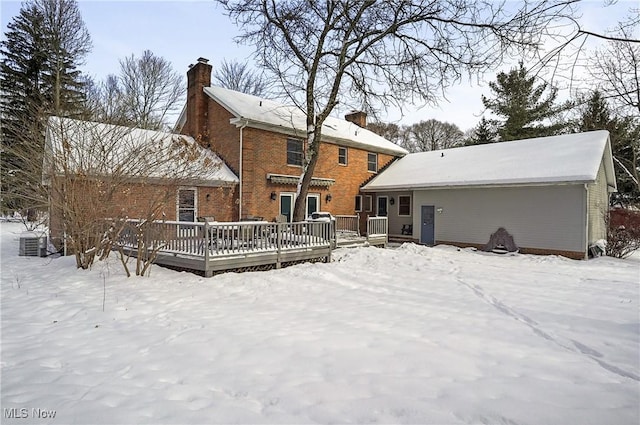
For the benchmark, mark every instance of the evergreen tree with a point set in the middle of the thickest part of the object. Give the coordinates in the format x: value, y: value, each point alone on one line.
x: 485, y: 132
x: 596, y: 114
x: 526, y: 110
x: 43, y: 47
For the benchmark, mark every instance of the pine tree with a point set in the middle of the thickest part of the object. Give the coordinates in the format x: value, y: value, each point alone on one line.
x: 596, y: 114
x: 485, y: 132
x: 526, y: 110
x: 43, y: 47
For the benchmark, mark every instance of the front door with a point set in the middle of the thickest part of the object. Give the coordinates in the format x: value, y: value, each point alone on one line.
x: 427, y: 233
x: 382, y: 206
x: 286, y: 205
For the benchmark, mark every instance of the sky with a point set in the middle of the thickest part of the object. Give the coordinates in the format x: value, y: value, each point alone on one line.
x: 183, y: 31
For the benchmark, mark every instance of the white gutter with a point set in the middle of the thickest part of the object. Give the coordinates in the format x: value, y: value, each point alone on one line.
x: 246, y: 122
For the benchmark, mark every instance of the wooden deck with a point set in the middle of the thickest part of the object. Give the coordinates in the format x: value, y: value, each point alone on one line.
x: 211, y: 248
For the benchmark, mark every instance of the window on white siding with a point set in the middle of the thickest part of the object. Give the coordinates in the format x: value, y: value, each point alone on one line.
x: 404, y: 205
x: 187, y: 205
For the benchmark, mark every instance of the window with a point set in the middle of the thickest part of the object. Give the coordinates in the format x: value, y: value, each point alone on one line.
x: 312, y: 204
x: 187, y: 205
x: 372, y: 162
x: 294, y: 152
x: 358, y: 203
x: 368, y: 203
x: 342, y: 156
x: 404, y: 205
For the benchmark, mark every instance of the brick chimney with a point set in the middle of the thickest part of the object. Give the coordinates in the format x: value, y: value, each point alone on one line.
x: 198, y: 77
x: 359, y: 118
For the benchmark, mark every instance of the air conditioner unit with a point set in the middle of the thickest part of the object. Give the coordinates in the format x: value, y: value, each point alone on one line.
x: 32, y: 245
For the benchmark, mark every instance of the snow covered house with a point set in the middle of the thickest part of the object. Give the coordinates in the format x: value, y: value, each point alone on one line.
x: 551, y: 194
x: 136, y: 171
x: 263, y: 142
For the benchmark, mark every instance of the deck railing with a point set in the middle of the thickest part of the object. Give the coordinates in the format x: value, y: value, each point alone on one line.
x: 348, y: 224
x: 227, y: 238
x: 377, y: 228
x: 215, y: 246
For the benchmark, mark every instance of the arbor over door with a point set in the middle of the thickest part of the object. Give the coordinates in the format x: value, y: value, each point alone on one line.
x: 427, y: 233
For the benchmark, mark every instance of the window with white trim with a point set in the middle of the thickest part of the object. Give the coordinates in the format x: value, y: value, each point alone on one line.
x: 313, y: 204
x: 342, y: 156
x: 368, y: 203
x: 186, y: 205
x: 294, y: 152
x: 358, y: 206
x: 372, y: 162
x: 404, y: 205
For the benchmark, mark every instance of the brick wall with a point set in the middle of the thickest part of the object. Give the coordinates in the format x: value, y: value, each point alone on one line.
x: 265, y: 152
x: 138, y: 201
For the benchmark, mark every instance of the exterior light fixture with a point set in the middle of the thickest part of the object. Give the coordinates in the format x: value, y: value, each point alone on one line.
x: 273, y: 196
x: 328, y: 197
x: 392, y: 201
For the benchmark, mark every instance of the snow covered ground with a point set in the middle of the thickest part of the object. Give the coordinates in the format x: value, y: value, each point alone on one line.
x: 406, y: 335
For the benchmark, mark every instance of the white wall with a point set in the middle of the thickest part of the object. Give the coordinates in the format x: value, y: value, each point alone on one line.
x: 546, y: 217
x: 598, y: 206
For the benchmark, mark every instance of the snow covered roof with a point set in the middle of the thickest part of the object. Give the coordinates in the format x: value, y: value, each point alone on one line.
x: 569, y: 158
x: 264, y: 113
x: 99, y: 149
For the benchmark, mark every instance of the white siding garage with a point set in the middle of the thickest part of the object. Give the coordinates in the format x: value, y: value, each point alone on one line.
x: 534, y: 216
x: 550, y: 193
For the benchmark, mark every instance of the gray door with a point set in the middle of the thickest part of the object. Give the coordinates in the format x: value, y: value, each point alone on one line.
x: 427, y: 234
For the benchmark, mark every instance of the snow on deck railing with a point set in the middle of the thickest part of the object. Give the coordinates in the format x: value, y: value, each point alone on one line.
x: 226, y: 238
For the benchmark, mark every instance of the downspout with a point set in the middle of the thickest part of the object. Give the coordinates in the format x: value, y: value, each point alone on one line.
x: 586, y: 229
x: 246, y: 122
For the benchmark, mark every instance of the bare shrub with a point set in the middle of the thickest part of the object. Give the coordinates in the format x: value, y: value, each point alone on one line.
x: 623, y: 232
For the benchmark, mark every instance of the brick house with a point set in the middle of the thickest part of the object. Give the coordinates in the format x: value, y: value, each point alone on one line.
x: 263, y: 142
x: 137, y: 171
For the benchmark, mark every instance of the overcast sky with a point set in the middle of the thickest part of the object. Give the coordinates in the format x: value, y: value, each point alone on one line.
x: 182, y: 31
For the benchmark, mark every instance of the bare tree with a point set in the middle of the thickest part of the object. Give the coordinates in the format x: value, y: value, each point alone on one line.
x: 382, y: 53
x: 616, y: 67
x: 398, y: 134
x: 239, y: 77
x: 431, y: 135
x: 91, y: 168
x: 149, y: 90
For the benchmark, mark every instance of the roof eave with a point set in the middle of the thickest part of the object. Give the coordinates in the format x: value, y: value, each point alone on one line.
x: 392, y: 188
x: 240, y: 121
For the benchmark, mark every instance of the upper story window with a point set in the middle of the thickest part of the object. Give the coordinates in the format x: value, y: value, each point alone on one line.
x: 294, y: 152
x: 404, y: 205
x: 372, y: 162
x: 342, y: 156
